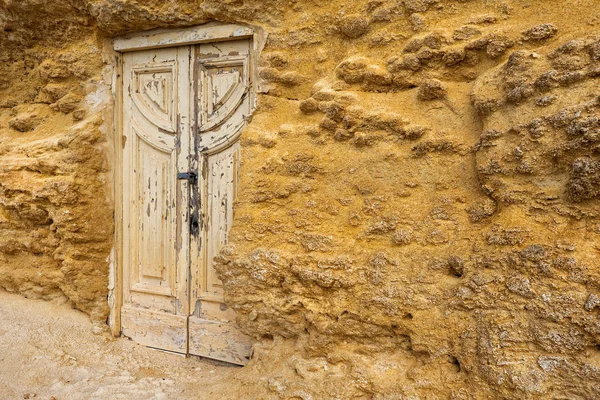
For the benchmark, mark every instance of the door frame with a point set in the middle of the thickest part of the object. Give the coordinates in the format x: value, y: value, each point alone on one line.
x: 156, y: 39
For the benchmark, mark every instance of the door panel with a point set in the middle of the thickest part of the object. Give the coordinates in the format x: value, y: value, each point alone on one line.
x: 161, y: 330
x: 221, y: 191
x: 156, y: 230
x: 212, y: 327
x: 155, y: 203
x: 219, y: 340
x: 223, y: 105
x: 223, y: 92
x: 154, y: 92
x: 224, y: 83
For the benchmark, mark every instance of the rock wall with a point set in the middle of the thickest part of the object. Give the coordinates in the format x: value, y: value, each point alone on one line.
x: 418, y: 210
x: 55, y: 209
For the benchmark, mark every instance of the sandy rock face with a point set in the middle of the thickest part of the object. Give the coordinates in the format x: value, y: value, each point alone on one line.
x: 55, y: 213
x: 418, y: 210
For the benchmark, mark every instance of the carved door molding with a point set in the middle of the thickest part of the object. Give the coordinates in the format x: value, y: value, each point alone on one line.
x: 182, y: 100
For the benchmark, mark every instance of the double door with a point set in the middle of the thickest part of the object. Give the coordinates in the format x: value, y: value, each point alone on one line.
x: 182, y: 110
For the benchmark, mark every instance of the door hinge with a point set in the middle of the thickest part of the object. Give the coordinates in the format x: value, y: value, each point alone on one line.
x: 191, y: 177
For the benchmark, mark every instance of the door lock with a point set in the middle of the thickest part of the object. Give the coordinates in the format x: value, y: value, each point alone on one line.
x: 194, y: 224
x: 191, y: 177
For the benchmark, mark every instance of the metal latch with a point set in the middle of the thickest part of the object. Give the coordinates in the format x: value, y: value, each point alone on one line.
x: 191, y: 177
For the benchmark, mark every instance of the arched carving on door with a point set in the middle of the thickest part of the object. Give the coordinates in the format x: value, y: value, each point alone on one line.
x: 224, y: 95
x: 153, y: 92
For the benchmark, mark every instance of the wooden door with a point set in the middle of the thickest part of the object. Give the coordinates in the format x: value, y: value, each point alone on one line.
x: 156, y: 126
x: 183, y: 109
x: 223, y: 103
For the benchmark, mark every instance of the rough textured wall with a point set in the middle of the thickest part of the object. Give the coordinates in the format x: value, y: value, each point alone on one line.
x: 55, y: 214
x: 419, y: 201
x: 418, y: 210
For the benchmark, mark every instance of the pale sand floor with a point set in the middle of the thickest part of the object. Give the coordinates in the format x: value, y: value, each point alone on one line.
x: 49, y: 351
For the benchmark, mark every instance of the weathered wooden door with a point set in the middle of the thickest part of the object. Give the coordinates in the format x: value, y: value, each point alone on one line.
x: 183, y: 108
x: 222, y: 106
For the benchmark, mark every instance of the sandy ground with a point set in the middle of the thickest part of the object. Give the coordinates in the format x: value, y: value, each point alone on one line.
x: 48, y: 351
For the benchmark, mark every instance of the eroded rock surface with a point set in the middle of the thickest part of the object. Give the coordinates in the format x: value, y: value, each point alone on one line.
x: 418, y: 210
x: 55, y: 213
